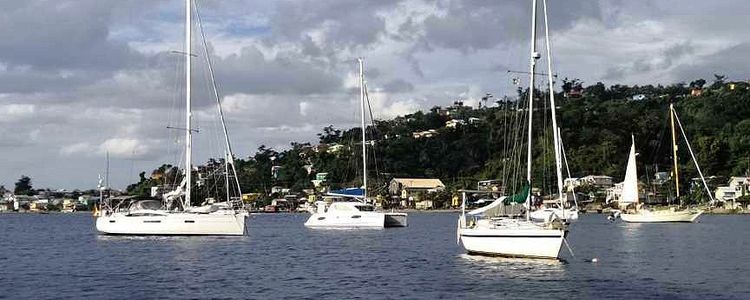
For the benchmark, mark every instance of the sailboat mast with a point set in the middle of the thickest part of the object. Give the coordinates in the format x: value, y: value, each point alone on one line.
x: 188, y: 104
x: 364, y: 136
x: 532, y: 65
x: 674, y: 152
x: 556, y: 132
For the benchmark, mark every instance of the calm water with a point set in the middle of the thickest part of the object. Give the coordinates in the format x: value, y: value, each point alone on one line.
x: 60, y: 256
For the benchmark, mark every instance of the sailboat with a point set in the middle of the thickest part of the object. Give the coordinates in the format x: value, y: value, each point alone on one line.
x: 641, y: 214
x: 488, y: 232
x: 175, y: 215
x: 357, y: 213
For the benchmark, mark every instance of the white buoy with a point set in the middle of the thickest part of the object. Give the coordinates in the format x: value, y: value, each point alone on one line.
x: 594, y: 260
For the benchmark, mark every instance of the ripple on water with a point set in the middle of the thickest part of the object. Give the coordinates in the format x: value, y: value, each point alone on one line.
x: 56, y: 255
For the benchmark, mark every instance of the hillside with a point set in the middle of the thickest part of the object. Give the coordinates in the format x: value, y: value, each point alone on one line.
x: 596, y: 122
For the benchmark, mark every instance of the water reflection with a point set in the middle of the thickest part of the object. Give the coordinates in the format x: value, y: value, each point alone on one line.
x: 516, y: 268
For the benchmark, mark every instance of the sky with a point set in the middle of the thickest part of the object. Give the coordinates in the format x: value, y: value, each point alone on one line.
x: 82, y: 78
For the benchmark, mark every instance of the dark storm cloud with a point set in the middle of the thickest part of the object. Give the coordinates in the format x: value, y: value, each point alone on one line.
x: 398, y: 86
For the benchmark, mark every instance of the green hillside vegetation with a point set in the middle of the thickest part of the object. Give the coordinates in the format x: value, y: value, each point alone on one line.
x: 596, y: 122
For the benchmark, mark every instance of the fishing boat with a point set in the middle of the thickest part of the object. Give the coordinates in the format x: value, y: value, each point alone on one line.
x: 638, y: 213
x: 491, y: 230
x: 175, y: 213
x: 355, y: 211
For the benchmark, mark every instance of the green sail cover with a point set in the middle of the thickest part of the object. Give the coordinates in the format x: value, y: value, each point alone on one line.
x: 518, y: 197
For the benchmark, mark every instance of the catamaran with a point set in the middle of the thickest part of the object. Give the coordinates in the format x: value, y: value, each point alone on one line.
x: 491, y: 231
x: 175, y: 214
x: 640, y: 214
x: 356, y: 213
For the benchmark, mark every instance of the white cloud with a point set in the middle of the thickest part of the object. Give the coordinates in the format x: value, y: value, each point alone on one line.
x: 16, y: 112
x: 126, y: 148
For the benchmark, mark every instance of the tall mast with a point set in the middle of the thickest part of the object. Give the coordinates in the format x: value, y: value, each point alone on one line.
x: 555, y: 129
x: 532, y: 65
x: 188, y: 104
x: 364, y: 136
x: 674, y: 152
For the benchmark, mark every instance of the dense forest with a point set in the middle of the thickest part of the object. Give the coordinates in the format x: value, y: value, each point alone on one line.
x: 596, y: 125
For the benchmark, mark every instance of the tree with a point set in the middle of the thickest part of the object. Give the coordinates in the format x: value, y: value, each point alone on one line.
x: 23, y: 186
x: 698, y: 83
x: 718, y: 81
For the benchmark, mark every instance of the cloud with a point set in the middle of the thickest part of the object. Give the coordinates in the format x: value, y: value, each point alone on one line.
x: 77, y: 148
x: 78, y: 78
x: 398, y: 86
x: 131, y: 148
x: 16, y: 112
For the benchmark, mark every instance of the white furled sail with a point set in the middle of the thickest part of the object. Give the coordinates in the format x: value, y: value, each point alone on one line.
x: 630, y: 185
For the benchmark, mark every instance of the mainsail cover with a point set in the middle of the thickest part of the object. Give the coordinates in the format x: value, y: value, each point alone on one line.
x: 519, y: 197
x: 630, y: 185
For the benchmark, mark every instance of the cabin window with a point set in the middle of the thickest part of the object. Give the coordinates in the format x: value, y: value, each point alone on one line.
x: 356, y: 216
x: 152, y: 221
x: 189, y: 221
x: 365, y: 208
x: 321, y: 218
x: 111, y: 221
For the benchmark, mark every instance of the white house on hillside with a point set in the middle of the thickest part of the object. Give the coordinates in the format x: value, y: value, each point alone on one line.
x: 738, y: 186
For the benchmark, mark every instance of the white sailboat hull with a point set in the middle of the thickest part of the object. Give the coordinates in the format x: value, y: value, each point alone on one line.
x: 172, y: 224
x: 511, y: 242
x: 667, y: 216
x: 354, y: 219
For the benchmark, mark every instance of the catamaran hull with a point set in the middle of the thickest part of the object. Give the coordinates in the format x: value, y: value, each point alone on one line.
x: 172, y: 224
x: 661, y: 217
x: 395, y: 219
x: 354, y: 220
x: 541, y: 243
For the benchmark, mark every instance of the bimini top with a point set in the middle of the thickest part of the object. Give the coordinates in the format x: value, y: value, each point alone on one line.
x: 348, y: 192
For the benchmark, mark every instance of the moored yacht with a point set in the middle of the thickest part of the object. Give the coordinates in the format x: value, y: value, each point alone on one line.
x: 175, y: 214
x: 636, y: 212
x: 497, y: 229
x: 355, y: 212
